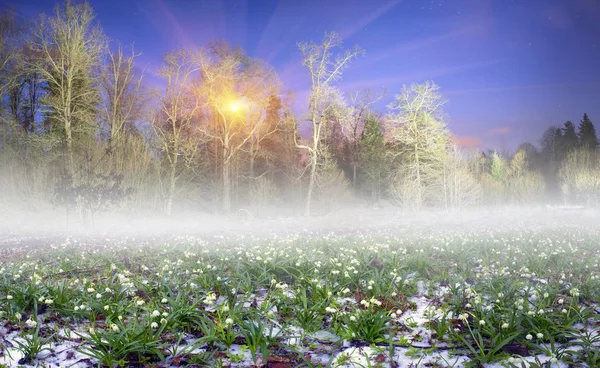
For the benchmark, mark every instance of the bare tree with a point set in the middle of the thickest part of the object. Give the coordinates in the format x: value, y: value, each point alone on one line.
x: 175, y: 121
x: 236, y: 91
x: 122, y: 94
x: 9, y: 29
x: 324, y: 71
x: 419, y: 137
x: 69, y: 46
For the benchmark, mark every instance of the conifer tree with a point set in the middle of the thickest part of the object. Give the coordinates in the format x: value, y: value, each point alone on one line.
x: 587, y: 133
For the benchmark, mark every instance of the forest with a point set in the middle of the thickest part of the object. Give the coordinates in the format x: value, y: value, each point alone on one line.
x: 81, y: 129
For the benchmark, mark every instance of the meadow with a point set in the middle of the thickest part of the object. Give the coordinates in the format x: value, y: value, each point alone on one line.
x: 510, y: 297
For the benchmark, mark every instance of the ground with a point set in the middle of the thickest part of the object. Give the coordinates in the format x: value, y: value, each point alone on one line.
x: 359, y: 288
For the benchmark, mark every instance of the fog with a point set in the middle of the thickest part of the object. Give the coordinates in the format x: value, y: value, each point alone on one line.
x: 49, y: 224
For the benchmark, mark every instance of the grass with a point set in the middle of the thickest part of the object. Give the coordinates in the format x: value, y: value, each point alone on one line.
x: 524, y: 297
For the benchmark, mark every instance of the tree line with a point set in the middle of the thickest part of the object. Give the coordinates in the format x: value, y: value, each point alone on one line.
x: 81, y: 129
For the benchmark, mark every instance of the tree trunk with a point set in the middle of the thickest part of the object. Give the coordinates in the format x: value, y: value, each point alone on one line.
x: 226, y: 205
x: 311, y: 184
x: 172, y: 180
x: 69, y: 144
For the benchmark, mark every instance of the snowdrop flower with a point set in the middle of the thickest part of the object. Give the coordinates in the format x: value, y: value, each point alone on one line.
x: 352, y: 318
x: 165, y: 314
x: 539, y: 335
x: 115, y: 327
x: 155, y: 313
x: 49, y: 301
x: 154, y: 325
x: 30, y: 323
x: 529, y: 337
x: 18, y: 316
x: 98, y: 296
x: 564, y: 310
x: 9, y: 297
x: 229, y: 321
x: 76, y: 308
x: 140, y: 302
x: 505, y: 325
x: 393, y: 315
x: 330, y: 310
x: 482, y: 323
x: 91, y: 290
x: 106, y: 307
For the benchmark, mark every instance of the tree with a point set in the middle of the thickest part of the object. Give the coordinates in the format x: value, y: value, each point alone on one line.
x: 122, y: 95
x: 372, y: 155
x: 579, y: 176
x: 237, y: 91
x: 324, y: 71
x: 420, y: 139
x: 524, y: 184
x: 9, y: 30
x: 587, y: 134
x: 353, y: 124
x: 569, y: 140
x: 175, y: 120
x: 69, y: 46
x: 459, y: 185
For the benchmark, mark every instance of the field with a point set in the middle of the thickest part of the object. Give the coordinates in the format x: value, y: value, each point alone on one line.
x: 406, y: 297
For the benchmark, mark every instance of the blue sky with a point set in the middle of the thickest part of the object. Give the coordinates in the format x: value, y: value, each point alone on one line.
x: 509, y: 68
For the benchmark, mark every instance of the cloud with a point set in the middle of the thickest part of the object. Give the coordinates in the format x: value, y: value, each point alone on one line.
x: 499, y: 131
x: 468, y: 141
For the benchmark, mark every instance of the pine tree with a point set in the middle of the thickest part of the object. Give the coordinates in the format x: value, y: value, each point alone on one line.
x: 570, y: 138
x: 587, y: 133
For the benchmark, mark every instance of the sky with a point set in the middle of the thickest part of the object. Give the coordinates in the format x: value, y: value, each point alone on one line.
x: 508, y: 68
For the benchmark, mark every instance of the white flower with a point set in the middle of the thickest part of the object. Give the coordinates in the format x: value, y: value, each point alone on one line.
x: 482, y: 323
x: 352, y: 318
x: 98, y: 296
x: 49, y: 301
x: 564, y: 310
x: 529, y: 337
x: 165, y: 314
x: 76, y: 308
x: 505, y: 326
x: 155, y: 313
x: 18, y: 316
x: 164, y: 300
x: 539, y: 335
x: 229, y: 321
x: 115, y: 327
x: 154, y: 325
x: 91, y: 290
x: 140, y: 302
x: 393, y: 315
x: 106, y: 307
x: 30, y: 323
x: 561, y: 301
x: 9, y: 297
